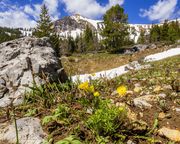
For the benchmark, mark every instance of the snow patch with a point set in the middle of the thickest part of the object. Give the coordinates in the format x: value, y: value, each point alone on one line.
x: 162, y: 55
x: 91, y: 21
x: 73, y: 33
x: 109, y: 74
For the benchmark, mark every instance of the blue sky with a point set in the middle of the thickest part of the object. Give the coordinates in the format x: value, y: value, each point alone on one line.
x: 24, y: 13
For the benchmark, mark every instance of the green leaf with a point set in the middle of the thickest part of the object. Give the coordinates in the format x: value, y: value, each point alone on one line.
x: 47, y: 119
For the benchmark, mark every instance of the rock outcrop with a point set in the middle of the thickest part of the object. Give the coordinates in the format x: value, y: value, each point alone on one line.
x: 23, y: 62
x: 139, y: 47
x: 29, y: 131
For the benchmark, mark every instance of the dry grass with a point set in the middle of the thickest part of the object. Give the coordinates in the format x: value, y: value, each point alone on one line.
x: 91, y: 63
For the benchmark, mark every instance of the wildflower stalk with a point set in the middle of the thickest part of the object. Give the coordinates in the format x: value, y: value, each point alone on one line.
x: 15, y: 122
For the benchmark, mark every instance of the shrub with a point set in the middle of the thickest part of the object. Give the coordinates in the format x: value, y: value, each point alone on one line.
x: 106, y: 119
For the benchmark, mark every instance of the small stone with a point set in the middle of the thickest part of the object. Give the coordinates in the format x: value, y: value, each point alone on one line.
x: 89, y: 111
x: 150, y: 88
x: 161, y: 115
x: 114, y: 93
x: 157, y: 89
x: 167, y: 87
x: 177, y: 109
x: 174, y: 94
x: 130, y: 142
x: 171, y: 134
x: 141, y: 114
x: 162, y: 95
x: 168, y: 116
x: 137, y: 85
x: 129, y: 93
x: 141, y: 103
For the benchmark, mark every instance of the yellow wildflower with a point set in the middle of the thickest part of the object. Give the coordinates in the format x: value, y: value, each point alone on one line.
x: 96, y: 94
x: 84, y: 86
x: 121, y: 90
x: 91, y: 89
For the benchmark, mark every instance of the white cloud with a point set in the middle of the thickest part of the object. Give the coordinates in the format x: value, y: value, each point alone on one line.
x: 13, y: 16
x: 16, y: 19
x: 53, y: 8
x: 89, y: 8
x: 163, y: 9
x: 35, y: 9
x: 22, y: 16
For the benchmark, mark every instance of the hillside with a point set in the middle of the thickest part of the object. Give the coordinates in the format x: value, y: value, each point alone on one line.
x: 140, y: 107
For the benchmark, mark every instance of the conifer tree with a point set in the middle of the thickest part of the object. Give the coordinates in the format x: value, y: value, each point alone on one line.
x: 88, y: 35
x: 173, y: 32
x: 164, y: 31
x: 44, y: 25
x: 155, y: 33
x: 116, y: 29
x: 142, y: 37
x: 88, y: 38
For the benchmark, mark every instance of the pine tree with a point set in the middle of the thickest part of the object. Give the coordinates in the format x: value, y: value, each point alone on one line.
x: 164, y: 31
x: 44, y: 26
x: 116, y: 29
x: 155, y: 33
x: 142, y: 37
x: 88, y: 38
x: 173, y: 32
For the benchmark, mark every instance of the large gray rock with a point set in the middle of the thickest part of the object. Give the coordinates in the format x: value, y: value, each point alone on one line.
x: 24, y: 61
x: 29, y: 131
x: 139, y: 47
x: 143, y: 101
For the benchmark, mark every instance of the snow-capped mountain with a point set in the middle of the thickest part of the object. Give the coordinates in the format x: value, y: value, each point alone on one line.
x: 75, y: 25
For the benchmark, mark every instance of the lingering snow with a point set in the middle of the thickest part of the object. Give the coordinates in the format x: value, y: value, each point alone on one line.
x: 109, y: 74
x: 26, y: 32
x: 162, y: 55
x: 72, y: 33
x: 91, y: 21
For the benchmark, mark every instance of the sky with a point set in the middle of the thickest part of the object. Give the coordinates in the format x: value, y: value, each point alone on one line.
x: 25, y: 13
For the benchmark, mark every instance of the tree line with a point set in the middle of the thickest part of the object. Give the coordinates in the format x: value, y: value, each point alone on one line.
x: 7, y: 34
x: 168, y: 32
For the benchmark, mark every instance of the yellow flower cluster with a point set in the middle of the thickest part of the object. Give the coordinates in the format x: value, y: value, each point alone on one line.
x: 84, y: 86
x: 122, y: 90
x: 88, y: 88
